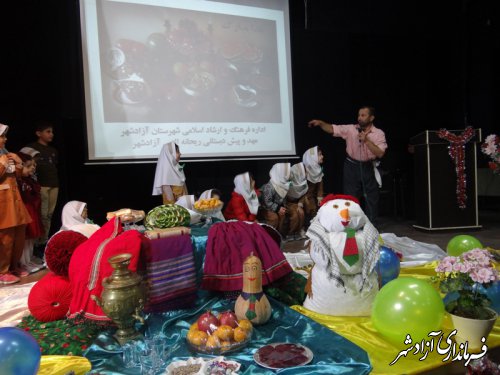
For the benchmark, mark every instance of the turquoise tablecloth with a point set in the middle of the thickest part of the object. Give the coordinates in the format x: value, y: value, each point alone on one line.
x: 333, y: 354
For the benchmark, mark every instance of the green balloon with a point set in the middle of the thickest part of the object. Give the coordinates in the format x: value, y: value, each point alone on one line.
x: 462, y: 243
x: 407, y: 306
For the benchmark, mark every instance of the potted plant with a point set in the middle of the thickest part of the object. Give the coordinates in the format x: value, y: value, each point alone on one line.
x: 465, y: 277
x: 491, y: 147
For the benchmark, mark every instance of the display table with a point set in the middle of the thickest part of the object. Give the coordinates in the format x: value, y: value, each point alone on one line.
x: 361, y: 331
x: 333, y: 354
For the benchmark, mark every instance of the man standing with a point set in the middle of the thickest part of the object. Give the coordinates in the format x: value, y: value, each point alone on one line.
x: 364, y: 145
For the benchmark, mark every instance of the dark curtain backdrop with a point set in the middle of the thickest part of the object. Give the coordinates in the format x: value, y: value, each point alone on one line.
x: 422, y: 64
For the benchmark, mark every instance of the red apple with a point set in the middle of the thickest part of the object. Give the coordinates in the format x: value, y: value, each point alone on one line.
x: 228, y: 318
x: 208, y: 322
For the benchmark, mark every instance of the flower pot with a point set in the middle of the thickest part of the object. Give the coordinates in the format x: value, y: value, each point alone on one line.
x: 473, y: 330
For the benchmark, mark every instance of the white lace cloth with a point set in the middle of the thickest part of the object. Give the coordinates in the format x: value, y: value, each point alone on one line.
x: 14, y: 304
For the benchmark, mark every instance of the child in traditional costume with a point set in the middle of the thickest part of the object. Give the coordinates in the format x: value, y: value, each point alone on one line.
x: 294, y: 205
x: 345, y: 250
x: 170, y: 180
x: 32, y: 199
x: 244, y: 202
x: 312, y: 159
x: 13, y: 214
x: 273, y: 194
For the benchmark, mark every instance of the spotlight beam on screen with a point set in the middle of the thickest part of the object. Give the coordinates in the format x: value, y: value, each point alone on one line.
x: 213, y: 76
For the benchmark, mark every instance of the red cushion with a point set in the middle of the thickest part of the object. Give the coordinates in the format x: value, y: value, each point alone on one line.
x: 49, y: 298
x: 59, y: 250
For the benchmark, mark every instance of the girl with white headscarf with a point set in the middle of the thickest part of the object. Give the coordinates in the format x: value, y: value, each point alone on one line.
x: 312, y: 159
x: 273, y: 196
x: 170, y: 180
x: 74, y: 217
x: 294, y: 204
x: 244, y: 202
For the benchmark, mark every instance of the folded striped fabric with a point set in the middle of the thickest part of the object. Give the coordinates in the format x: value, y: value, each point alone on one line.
x: 170, y: 274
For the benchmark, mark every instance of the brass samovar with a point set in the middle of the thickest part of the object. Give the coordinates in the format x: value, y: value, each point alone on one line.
x: 122, y: 298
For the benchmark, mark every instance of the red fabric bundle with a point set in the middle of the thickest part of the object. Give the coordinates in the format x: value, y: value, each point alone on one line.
x: 59, y: 250
x: 89, y: 265
x: 49, y: 298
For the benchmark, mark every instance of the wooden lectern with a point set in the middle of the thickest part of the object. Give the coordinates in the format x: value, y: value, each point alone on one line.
x: 436, y: 183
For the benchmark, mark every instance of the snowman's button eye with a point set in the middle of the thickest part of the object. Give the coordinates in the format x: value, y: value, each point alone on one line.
x: 335, y: 206
x: 347, y: 203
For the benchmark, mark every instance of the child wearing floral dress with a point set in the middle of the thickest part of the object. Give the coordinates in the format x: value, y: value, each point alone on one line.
x: 30, y: 193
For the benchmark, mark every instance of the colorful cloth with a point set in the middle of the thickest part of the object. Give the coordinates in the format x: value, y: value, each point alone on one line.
x: 288, y: 290
x: 63, y: 337
x: 170, y: 274
x: 229, y: 244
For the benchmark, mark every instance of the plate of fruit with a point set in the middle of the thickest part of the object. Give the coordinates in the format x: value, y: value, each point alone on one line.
x: 282, y: 355
x: 208, y: 206
x: 217, y: 333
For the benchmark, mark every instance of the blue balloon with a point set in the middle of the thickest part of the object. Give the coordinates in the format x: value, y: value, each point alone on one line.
x: 19, y: 352
x: 388, y: 265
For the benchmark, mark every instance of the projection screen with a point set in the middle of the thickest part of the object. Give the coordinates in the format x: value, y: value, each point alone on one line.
x: 213, y: 76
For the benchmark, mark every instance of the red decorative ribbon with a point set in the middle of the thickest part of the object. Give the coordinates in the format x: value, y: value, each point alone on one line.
x: 457, y: 154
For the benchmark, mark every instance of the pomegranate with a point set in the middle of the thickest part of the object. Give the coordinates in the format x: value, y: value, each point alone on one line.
x: 208, y: 322
x: 228, y: 318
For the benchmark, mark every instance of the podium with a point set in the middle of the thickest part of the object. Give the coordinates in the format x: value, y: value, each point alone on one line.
x: 436, y: 205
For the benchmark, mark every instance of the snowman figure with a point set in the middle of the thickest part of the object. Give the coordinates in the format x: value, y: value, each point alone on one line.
x: 345, y: 249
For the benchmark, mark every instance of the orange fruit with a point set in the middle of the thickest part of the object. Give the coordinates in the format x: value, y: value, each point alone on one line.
x: 213, y: 342
x: 240, y: 334
x: 224, y: 333
x: 245, y: 324
x: 194, y: 326
x: 190, y: 335
x: 199, y: 338
x: 225, y: 345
